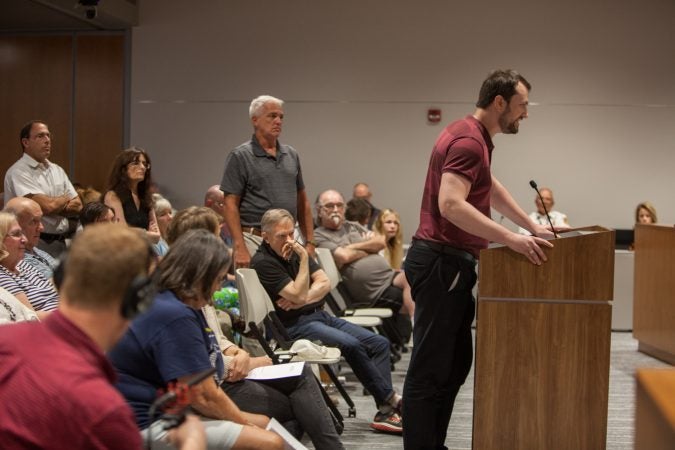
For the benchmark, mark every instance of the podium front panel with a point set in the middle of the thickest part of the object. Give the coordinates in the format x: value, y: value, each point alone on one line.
x: 542, y: 375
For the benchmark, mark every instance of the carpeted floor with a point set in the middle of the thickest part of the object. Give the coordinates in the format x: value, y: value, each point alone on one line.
x: 624, y: 360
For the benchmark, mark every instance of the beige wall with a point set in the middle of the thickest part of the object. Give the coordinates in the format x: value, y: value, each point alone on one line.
x: 359, y: 76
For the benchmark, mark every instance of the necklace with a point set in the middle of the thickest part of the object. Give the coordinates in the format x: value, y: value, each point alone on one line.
x: 12, y: 314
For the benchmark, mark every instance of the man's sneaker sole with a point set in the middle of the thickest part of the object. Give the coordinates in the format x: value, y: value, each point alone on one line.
x: 386, y: 428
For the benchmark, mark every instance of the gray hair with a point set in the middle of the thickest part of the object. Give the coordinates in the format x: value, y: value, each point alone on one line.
x: 160, y: 203
x: 273, y: 217
x: 259, y: 102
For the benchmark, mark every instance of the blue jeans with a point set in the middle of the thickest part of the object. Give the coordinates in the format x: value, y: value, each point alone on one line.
x: 366, y: 352
x: 442, y: 344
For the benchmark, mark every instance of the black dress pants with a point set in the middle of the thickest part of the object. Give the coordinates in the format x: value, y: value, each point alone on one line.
x: 442, y: 353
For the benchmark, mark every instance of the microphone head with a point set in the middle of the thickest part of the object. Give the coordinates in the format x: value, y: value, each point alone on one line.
x: 533, y: 184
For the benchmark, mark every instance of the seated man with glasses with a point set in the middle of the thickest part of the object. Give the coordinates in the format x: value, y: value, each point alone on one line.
x: 365, y: 272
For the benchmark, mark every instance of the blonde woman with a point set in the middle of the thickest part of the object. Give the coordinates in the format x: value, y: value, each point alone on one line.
x: 388, y: 224
x: 645, y: 213
x: 18, y: 278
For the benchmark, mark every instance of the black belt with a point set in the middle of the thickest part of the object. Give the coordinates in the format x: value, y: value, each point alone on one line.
x: 251, y: 230
x: 49, y: 237
x: 445, y: 249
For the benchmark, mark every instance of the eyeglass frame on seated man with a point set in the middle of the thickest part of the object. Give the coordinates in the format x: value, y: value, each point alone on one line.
x: 332, y: 206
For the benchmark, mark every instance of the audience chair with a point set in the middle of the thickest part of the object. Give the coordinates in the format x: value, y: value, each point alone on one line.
x: 258, y: 312
x: 339, y: 300
x: 328, y: 265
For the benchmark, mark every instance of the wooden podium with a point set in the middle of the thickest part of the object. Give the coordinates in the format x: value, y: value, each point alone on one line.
x: 654, y: 292
x: 542, y: 345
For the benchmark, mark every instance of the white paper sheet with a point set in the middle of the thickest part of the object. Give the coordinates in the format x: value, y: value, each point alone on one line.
x: 276, y: 371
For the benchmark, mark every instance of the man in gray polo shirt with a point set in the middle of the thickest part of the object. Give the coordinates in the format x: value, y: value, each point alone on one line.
x: 262, y: 174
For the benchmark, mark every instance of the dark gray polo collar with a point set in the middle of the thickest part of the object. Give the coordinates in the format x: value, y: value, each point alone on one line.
x: 260, y: 152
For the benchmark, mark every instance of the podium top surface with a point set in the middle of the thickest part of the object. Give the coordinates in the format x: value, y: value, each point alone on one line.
x: 580, y: 266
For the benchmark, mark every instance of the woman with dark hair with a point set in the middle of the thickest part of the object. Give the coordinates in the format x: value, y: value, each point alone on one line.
x: 129, y: 191
x: 171, y: 342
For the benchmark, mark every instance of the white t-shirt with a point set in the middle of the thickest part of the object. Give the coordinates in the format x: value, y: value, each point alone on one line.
x: 558, y: 219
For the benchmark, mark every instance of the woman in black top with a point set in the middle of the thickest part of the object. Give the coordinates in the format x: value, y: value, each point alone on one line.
x: 129, y: 191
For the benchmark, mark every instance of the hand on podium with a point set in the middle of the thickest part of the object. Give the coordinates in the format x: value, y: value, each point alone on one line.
x: 530, y: 246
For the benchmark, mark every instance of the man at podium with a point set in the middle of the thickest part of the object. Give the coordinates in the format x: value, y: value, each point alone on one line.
x: 454, y: 226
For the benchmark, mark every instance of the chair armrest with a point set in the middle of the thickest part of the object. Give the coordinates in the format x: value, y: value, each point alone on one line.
x: 382, y: 313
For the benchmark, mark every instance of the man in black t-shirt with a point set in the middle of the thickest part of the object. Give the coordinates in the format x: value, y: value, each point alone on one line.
x: 297, y: 286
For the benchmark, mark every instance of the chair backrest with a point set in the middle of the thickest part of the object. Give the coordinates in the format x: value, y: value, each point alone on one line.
x: 328, y: 265
x: 254, y: 302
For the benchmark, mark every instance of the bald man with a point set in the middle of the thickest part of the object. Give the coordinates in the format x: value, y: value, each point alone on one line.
x: 29, y: 215
x: 362, y: 191
x: 215, y: 199
x: 558, y: 219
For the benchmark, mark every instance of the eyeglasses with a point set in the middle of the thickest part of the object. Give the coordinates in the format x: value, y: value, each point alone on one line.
x: 332, y: 206
x: 16, y: 233
x: 140, y: 163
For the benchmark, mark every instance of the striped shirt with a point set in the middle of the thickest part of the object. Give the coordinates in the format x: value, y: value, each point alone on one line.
x: 40, y: 260
x: 40, y: 291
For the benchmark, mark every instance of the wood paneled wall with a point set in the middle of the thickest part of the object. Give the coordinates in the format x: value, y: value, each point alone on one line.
x: 75, y: 83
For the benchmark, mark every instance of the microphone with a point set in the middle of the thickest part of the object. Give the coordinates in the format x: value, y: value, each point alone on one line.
x: 534, y: 186
x: 176, y: 390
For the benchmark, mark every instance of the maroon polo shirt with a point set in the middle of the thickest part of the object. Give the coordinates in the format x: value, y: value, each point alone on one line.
x: 465, y: 148
x: 56, y: 390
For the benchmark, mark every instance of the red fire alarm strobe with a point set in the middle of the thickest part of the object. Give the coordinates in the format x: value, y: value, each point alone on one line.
x: 434, y: 115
